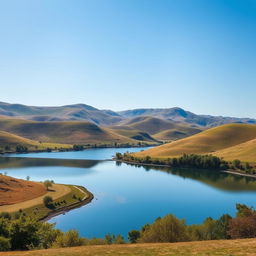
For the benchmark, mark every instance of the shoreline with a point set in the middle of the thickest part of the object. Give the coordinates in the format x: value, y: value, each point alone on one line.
x: 72, y: 150
x: 165, y: 165
x: 71, y: 207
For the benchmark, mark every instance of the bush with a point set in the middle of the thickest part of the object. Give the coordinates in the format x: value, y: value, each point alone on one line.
x: 5, y: 244
x: 69, y: 239
x: 48, y: 201
x: 167, y: 229
x: 133, y: 236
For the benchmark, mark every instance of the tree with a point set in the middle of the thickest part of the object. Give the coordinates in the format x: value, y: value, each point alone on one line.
x: 48, y: 201
x: 47, y: 184
x: 166, y: 229
x: 133, y: 236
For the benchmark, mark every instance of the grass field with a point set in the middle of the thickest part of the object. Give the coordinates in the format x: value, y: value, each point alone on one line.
x: 211, y: 141
x: 245, y: 247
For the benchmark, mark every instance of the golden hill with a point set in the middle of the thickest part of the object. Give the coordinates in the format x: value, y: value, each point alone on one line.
x: 11, y: 141
x: 159, y: 128
x: 245, y: 152
x: 209, y: 141
x: 70, y: 132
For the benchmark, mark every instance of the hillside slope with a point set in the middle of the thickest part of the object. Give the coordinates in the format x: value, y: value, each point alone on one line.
x: 245, y: 152
x: 208, y: 141
x: 17, y: 190
x: 9, y: 142
x: 71, y: 132
x: 159, y: 128
x: 201, y: 248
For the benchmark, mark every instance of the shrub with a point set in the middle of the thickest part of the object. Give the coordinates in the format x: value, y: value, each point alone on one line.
x: 48, y: 201
x: 5, y: 244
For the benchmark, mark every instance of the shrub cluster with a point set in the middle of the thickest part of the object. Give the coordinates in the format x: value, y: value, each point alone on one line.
x: 172, y: 229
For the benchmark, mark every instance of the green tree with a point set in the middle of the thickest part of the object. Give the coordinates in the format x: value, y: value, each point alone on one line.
x: 48, y: 184
x: 133, y: 236
x: 48, y: 201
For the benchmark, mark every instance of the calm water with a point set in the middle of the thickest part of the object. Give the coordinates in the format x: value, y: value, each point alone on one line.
x: 127, y: 197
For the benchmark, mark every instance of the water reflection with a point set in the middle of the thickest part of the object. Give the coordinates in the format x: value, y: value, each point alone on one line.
x: 214, y: 178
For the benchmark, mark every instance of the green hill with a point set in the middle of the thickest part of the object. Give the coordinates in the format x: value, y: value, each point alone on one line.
x: 209, y: 141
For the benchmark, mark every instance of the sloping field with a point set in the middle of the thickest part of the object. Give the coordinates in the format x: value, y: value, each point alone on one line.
x: 245, y: 152
x: 159, y: 128
x: 208, y: 141
x: 71, y: 132
x: 12, y: 140
x: 245, y: 247
x: 14, y: 191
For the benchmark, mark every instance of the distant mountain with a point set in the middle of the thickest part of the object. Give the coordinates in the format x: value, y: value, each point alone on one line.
x: 83, y: 112
x: 181, y: 115
x: 77, y: 112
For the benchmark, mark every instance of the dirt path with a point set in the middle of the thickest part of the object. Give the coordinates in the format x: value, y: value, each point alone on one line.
x: 56, y: 192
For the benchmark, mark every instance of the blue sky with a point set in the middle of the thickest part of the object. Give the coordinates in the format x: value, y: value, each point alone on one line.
x: 121, y: 54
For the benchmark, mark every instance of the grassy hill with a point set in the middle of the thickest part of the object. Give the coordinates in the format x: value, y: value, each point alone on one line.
x: 12, y: 140
x: 209, y: 141
x: 158, y: 128
x: 245, y: 152
x: 212, y: 248
x: 70, y: 132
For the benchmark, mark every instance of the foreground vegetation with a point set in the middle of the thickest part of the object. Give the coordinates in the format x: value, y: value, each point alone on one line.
x: 241, y: 247
x: 20, y: 232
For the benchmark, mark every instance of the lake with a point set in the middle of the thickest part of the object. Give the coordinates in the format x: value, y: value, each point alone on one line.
x: 126, y: 196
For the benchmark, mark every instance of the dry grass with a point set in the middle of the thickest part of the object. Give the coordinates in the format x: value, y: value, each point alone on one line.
x: 69, y: 132
x: 208, y: 141
x: 56, y: 191
x: 245, y: 152
x: 244, y: 247
x: 14, y: 191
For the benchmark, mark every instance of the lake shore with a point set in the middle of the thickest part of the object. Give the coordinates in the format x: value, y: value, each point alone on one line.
x: 168, y: 166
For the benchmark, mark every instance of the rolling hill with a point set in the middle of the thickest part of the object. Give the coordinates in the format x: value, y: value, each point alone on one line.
x: 83, y: 112
x: 9, y: 141
x: 181, y: 115
x: 70, y: 132
x: 158, y: 128
x: 245, y: 152
x: 222, y: 140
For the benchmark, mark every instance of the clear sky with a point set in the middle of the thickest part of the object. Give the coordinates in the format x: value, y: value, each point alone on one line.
x: 121, y: 54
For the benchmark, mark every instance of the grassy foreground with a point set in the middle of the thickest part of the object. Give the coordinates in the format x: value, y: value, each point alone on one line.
x: 200, y: 248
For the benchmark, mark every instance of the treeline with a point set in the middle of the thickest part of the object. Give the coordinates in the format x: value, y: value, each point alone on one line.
x: 172, y: 229
x: 189, y: 161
